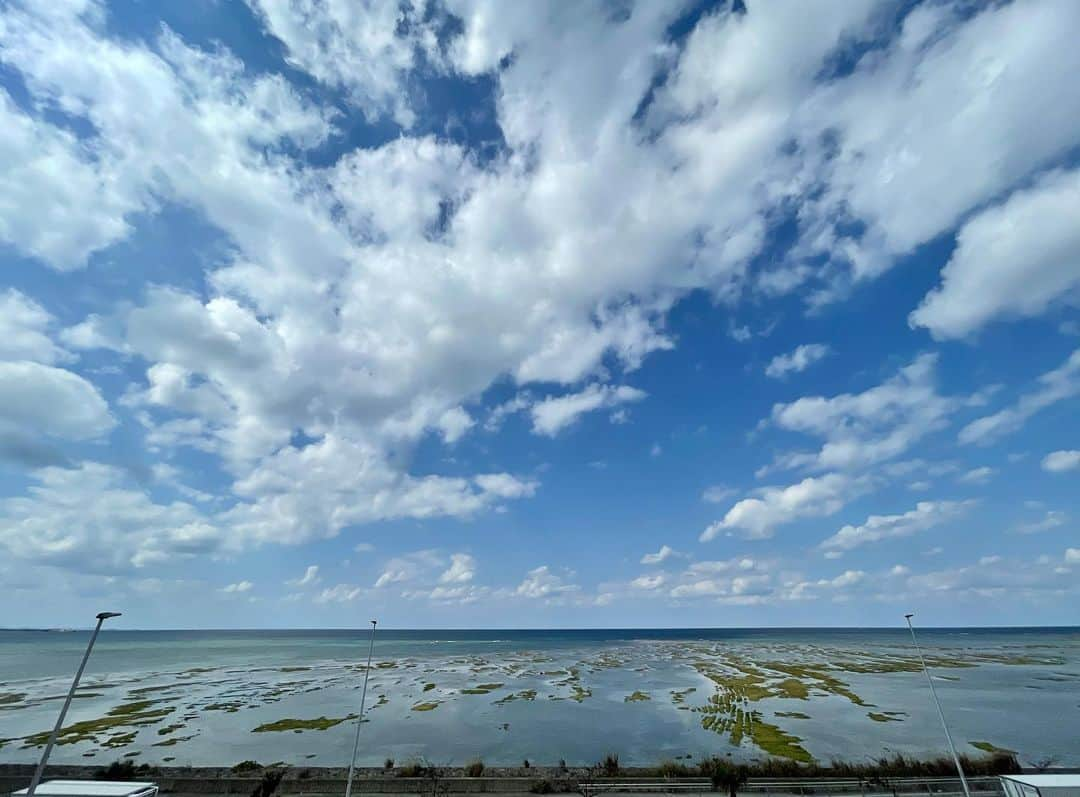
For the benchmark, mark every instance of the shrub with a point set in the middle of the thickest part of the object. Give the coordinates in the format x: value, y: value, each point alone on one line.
x: 609, y: 765
x: 672, y: 769
x: 122, y: 770
x: 562, y: 764
x: 474, y: 769
x: 542, y: 787
x: 269, y: 783
x: 388, y: 763
x: 413, y: 769
x: 247, y: 766
x: 526, y: 763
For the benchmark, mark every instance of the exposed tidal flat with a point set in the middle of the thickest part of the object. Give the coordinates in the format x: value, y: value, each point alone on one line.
x: 216, y: 698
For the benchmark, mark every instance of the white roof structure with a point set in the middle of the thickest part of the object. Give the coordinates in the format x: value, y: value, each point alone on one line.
x: 1066, y: 780
x: 91, y: 788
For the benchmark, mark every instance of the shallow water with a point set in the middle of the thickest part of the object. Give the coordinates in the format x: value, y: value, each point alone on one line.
x: 203, y: 694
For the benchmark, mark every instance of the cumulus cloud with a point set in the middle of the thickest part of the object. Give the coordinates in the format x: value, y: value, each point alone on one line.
x: 770, y: 507
x: 310, y: 577
x: 1057, y: 385
x: 1011, y: 260
x: 979, y: 475
x: 542, y: 583
x: 25, y: 330
x: 796, y: 361
x: 462, y: 569
x: 551, y: 415
x: 1061, y: 461
x: 1051, y: 520
x: 862, y: 429
x: 45, y: 400
x: 665, y: 553
x: 925, y: 515
x: 339, y: 593
x: 239, y: 587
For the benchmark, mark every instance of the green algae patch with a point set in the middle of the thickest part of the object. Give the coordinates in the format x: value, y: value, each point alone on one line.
x: 525, y: 694
x: 317, y: 724
x: 992, y: 749
x: 8, y: 698
x: 579, y: 693
x: 294, y: 669
x: 230, y: 707
x: 636, y: 697
x: 481, y: 689
x: 777, y: 742
x: 165, y: 731
x: 795, y: 715
x: 679, y: 695
x: 119, y: 740
x: 428, y: 687
x: 883, y: 716
x: 426, y: 706
x: 136, y: 714
x: 793, y: 688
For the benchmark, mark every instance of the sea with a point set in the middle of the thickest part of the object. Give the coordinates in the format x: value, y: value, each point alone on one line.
x: 216, y: 698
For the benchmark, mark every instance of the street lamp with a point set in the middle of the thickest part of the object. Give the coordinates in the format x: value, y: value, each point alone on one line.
x: 363, y: 695
x: 102, y: 617
x: 933, y: 693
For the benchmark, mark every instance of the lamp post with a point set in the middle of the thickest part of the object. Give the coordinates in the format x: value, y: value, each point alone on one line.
x: 941, y: 714
x: 101, y: 618
x: 360, y: 719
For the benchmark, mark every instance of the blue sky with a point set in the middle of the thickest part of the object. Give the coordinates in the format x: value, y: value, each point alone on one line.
x: 476, y: 314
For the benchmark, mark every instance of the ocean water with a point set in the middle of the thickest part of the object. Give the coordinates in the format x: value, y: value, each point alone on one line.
x: 198, y: 697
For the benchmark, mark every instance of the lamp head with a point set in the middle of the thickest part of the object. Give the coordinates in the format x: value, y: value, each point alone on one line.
x: 373, y: 622
x: 107, y: 615
x: 909, y: 616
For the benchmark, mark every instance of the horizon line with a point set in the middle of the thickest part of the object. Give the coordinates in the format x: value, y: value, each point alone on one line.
x: 553, y: 629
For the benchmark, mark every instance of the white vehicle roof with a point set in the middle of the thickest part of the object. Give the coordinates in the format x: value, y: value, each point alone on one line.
x: 1044, y: 781
x: 91, y: 788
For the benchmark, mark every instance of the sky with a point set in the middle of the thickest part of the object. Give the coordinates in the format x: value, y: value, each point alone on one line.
x: 483, y: 314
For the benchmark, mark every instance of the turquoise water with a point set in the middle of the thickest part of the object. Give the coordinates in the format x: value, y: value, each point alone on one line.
x: 196, y: 697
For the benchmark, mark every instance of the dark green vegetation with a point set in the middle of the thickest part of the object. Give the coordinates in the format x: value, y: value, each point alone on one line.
x: 124, y: 771
x: 474, y: 769
x: 481, y: 689
x: 887, y: 716
x: 795, y: 715
x: 636, y: 697
x: 317, y: 724
x: 993, y: 749
x: 126, y: 715
x: 426, y: 706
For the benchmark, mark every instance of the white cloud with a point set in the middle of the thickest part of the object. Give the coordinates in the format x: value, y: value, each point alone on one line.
x: 551, y: 415
x: 925, y: 515
x: 45, y: 400
x: 239, y: 587
x: 865, y: 428
x: 453, y: 424
x: 796, y: 361
x: 1051, y: 520
x: 411, y: 567
x: 462, y: 569
x: 310, y: 577
x: 912, y: 129
x: 1057, y: 385
x: 758, y: 517
x: 24, y: 330
x: 339, y: 593
x: 365, y: 48
x: 662, y: 555
x: 977, y: 475
x: 1061, y: 461
x: 649, y: 582
x: 1012, y: 260
x: 1072, y: 555
x: 86, y: 518
x: 503, y: 485
x: 542, y: 583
